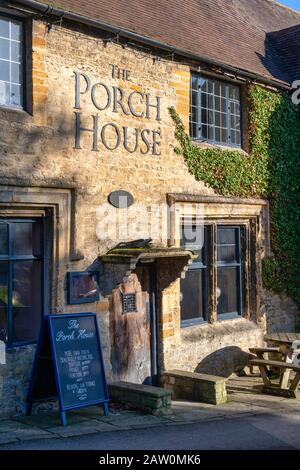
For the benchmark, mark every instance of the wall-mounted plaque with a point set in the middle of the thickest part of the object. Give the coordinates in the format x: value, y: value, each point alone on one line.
x: 128, y: 303
x: 121, y: 199
x: 83, y: 287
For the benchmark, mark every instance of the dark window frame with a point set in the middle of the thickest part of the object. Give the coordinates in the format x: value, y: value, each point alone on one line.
x: 197, y: 126
x: 212, y: 271
x: 26, y: 48
x: 10, y: 259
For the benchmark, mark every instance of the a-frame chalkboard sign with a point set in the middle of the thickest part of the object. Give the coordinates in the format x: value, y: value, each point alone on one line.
x: 68, y: 364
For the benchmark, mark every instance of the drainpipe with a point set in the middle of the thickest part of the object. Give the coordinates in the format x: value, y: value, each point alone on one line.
x: 49, y: 10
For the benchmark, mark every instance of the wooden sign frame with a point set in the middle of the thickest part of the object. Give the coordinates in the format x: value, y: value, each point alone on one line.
x: 71, y: 276
x: 46, y: 354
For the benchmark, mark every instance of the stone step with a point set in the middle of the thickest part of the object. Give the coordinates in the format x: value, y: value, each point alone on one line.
x: 195, y: 387
x: 154, y: 400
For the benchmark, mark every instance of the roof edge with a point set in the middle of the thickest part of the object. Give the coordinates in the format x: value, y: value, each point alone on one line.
x: 48, y: 10
x: 285, y: 7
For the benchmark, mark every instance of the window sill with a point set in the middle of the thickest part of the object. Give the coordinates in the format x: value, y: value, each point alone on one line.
x: 10, y: 349
x: 12, y: 109
x: 193, y: 322
x: 200, y: 322
x: 228, y: 316
x: 207, y: 145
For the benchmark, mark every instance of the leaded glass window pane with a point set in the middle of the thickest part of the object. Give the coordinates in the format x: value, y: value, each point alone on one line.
x: 215, y: 111
x: 229, y: 271
x: 195, y: 285
x: 11, y: 62
x: 21, y: 280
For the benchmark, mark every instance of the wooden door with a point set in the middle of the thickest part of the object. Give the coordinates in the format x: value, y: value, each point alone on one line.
x: 130, y: 331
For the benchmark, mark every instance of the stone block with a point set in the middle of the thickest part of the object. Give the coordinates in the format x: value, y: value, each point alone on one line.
x: 154, y: 400
x: 196, y: 387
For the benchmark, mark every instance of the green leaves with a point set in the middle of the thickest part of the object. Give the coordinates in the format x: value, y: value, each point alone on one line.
x: 271, y: 170
x: 229, y: 172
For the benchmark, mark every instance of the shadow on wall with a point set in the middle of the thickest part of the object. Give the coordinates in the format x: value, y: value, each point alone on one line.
x: 33, y: 144
x: 224, y: 362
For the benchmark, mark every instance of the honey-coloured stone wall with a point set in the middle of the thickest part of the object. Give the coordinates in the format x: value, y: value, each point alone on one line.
x: 40, y: 161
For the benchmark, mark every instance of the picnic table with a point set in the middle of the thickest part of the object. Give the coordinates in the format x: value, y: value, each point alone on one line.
x: 284, y: 340
x: 285, y: 365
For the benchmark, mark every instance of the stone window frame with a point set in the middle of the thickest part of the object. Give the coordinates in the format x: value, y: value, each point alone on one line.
x: 253, y: 215
x: 60, y: 205
x: 27, y: 104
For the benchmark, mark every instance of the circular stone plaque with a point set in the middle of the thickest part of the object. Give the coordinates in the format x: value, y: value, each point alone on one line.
x: 121, y: 199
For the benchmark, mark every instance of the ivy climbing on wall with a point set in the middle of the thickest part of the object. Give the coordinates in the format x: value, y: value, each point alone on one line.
x: 271, y: 170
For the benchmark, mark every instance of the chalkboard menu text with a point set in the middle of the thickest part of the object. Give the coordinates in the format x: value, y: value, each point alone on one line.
x: 69, y: 359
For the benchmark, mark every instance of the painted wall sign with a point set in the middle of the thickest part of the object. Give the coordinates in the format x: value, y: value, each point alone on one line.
x: 69, y: 364
x: 120, y: 199
x: 109, y: 135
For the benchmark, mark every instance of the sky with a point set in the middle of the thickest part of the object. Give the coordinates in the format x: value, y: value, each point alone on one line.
x: 291, y: 3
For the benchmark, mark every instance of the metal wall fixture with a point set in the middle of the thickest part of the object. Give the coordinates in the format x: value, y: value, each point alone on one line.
x: 121, y: 199
x: 128, y: 303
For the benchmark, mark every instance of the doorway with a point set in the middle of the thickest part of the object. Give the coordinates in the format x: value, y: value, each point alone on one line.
x: 133, y: 327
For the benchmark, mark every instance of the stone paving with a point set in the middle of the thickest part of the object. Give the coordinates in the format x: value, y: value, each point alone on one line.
x: 244, y: 398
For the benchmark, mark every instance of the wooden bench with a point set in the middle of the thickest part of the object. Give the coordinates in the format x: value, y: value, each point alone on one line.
x: 282, y: 389
x: 259, y: 352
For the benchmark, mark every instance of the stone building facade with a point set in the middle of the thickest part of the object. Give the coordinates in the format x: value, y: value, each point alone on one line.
x: 97, y: 121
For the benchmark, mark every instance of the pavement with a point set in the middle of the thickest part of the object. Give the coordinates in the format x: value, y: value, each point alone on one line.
x: 250, y: 420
